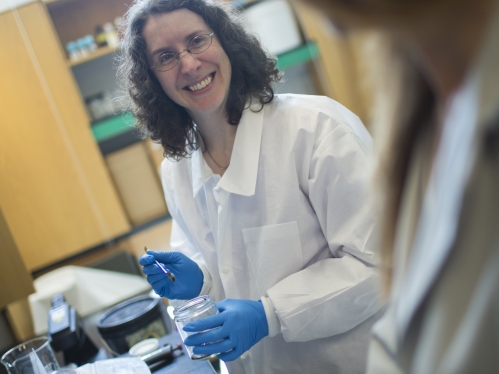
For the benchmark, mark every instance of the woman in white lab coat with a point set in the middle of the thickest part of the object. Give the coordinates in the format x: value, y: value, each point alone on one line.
x: 271, y: 215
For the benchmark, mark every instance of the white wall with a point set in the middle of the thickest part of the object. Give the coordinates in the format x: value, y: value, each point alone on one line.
x: 9, y: 4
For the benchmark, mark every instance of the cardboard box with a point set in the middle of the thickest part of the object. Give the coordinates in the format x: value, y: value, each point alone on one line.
x: 18, y: 314
x: 137, y: 183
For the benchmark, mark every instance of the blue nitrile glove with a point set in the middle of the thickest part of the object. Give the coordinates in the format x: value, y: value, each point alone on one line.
x: 188, y: 275
x: 242, y: 323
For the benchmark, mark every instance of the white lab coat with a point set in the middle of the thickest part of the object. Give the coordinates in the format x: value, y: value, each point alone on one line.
x: 289, y: 223
x: 443, y: 316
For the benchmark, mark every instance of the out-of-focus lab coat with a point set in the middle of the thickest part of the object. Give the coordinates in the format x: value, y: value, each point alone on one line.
x: 290, y: 224
x: 443, y: 315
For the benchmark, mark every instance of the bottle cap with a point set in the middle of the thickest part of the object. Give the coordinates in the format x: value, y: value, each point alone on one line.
x: 144, y: 347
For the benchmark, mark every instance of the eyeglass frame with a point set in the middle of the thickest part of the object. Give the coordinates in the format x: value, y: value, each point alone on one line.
x: 177, y: 54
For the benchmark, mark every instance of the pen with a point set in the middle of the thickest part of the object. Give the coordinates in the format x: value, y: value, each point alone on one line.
x: 167, y: 272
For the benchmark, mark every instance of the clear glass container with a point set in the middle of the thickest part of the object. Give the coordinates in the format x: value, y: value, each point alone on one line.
x: 20, y: 359
x: 192, y: 310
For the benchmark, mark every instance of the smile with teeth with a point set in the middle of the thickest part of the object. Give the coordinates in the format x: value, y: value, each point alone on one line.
x: 201, y: 84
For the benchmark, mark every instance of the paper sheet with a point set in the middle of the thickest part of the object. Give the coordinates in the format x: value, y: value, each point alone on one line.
x: 126, y: 365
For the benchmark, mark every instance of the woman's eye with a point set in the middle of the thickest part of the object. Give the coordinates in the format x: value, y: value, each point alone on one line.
x: 165, y: 58
x: 197, y: 41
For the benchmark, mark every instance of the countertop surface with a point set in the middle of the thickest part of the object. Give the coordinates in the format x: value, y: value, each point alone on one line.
x: 182, y: 364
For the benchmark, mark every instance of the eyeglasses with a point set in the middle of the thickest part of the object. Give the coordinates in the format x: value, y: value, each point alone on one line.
x: 168, y: 60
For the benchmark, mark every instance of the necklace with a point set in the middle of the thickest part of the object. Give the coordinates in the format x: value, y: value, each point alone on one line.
x: 209, y: 154
x: 216, y: 163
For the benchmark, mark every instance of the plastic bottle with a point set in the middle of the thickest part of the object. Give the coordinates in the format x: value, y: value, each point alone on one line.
x: 91, y: 45
x: 83, y: 47
x: 72, y: 49
x: 108, y: 104
x: 100, y: 36
x: 111, y: 35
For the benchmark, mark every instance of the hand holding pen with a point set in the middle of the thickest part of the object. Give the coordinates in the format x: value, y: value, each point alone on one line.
x: 167, y: 272
x: 160, y: 267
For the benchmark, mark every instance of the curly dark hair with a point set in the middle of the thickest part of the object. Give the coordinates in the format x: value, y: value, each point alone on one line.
x: 161, y: 119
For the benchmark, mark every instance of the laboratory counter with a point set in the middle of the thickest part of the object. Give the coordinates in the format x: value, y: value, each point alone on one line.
x: 181, y: 363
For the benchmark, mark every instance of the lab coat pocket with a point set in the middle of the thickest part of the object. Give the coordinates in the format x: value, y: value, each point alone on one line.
x: 274, y: 252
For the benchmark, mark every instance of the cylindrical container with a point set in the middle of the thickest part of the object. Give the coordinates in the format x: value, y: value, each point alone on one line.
x: 111, y: 35
x: 100, y: 36
x: 20, y: 359
x: 73, y: 52
x: 275, y: 24
x: 144, y: 347
x: 83, y: 46
x: 132, y: 321
x: 192, y: 310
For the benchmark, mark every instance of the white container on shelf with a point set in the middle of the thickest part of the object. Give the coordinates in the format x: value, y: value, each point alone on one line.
x: 111, y: 35
x: 275, y: 24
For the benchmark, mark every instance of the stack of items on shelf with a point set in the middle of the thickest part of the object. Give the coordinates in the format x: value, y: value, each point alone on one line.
x: 81, y: 47
x: 103, y: 105
x: 105, y: 35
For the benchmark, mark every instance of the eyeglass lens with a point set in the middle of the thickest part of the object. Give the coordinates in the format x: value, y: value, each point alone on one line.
x: 169, y: 60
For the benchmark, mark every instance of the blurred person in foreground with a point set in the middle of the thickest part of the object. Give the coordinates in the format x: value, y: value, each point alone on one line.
x: 438, y: 129
x: 271, y: 214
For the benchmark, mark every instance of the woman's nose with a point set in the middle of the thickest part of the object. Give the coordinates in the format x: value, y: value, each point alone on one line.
x: 189, y: 64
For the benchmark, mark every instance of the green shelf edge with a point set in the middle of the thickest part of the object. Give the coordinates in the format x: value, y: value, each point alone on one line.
x: 120, y: 124
x: 113, y: 126
x: 299, y: 55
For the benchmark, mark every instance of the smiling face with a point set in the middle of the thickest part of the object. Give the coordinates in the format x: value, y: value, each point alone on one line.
x: 199, y: 82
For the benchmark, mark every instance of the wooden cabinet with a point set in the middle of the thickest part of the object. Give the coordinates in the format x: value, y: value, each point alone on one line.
x: 12, y: 267
x: 55, y: 190
x: 342, y: 64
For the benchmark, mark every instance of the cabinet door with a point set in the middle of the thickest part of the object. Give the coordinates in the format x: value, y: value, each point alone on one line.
x: 55, y: 190
x: 343, y: 65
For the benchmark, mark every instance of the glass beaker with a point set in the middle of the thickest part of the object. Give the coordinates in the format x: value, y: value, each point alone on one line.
x: 18, y: 361
x: 191, y: 310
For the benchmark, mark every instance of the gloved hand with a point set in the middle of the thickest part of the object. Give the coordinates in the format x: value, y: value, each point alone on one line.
x: 242, y: 324
x: 188, y: 275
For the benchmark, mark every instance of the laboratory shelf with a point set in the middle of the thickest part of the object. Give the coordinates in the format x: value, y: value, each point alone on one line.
x: 99, y: 52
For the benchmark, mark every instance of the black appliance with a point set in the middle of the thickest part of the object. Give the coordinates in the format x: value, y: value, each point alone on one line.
x: 67, y: 334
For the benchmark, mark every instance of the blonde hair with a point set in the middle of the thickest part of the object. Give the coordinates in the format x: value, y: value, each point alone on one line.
x: 404, y: 106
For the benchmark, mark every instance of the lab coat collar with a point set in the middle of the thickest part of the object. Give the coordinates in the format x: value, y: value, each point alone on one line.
x: 241, y: 175
x: 476, y: 103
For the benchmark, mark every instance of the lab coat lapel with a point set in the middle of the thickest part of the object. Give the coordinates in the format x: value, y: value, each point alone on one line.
x: 477, y: 103
x: 240, y: 178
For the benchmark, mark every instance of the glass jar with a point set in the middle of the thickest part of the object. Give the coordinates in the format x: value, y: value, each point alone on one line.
x: 35, y: 355
x: 192, y: 310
